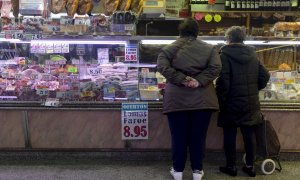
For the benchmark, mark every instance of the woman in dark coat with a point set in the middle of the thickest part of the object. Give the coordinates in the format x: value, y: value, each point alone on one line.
x: 190, y: 66
x: 241, y: 78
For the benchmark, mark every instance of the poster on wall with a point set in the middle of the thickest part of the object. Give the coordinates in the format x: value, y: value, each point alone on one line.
x: 134, y: 119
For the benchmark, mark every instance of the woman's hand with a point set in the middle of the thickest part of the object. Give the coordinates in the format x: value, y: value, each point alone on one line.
x: 193, y: 83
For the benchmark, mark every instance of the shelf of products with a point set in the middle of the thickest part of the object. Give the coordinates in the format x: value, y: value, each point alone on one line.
x: 244, y: 5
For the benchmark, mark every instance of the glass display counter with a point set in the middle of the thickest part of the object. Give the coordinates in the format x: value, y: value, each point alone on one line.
x: 91, y: 76
x: 95, y: 70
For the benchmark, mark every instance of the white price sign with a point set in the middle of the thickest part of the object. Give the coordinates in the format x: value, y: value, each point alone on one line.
x: 129, y: 27
x: 52, y: 102
x: 62, y: 76
x: 94, y: 71
x: 134, y: 121
x: 103, y: 55
x: 61, y: 94
x: 42, y: 92
x: 5, y: 75
x: 33, y: 76
x: 75, y: 61
x: 46, y: 77
x: 131, y: 53
x: 18, y: 76
x: 10, y: 88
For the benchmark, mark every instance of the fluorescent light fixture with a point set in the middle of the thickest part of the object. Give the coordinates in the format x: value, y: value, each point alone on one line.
x: 171, y: 41
x: 254, y: 42
x: 214, y: 42
x: 13, y: 40
x: 282, y: 42
x: 157, y: 41
x: 79, y: 41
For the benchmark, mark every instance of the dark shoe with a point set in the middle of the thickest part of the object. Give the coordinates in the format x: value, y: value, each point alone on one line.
x: 250, y: 171
x: 232, y: 171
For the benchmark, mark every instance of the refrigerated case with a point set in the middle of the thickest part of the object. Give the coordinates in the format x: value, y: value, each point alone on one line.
x: 64, y: 92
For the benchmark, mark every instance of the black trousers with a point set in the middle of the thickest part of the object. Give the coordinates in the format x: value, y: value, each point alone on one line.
x: 230, y: 144
x: 188, y: 132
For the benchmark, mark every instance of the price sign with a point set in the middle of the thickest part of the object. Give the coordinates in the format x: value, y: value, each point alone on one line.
x: 42, y: 91
x: 131, y: 53
x: 36, y: 36
x: 80, y: 50
x: 74, y: 77
x: 75, y: 61
x: 49, y: 48
x: 217, y: 17
x: 41, y: 48
x: 46, y: 77
x: 17, y: 35
x: 57, y: 47
x: 10, y: 88
x: 134, y: 121
x: 62, y: 76
x: 72, y: 69
x: 94, y: 71
x: 60, y: 94
x: 18, y: 76
x: 102, y: 55
x: 33, y: 76
x: 208, y: 18
x: 5, y: 75
x: 129, y: 27
x: 65, y: 48
x: 87, y: 94
x: 54, y: 102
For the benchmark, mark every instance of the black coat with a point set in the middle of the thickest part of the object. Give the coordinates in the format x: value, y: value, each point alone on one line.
x: 241, y: 78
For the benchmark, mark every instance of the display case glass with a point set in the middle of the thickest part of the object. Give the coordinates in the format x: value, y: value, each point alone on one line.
x: 95, y: 70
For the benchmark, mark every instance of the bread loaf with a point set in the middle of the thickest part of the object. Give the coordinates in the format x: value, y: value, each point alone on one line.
x: 57, y: 6
x: 136, y: 6
x: 71, y: 7
x: 110, y: 6
x: 84, y: 7
x: 124, y: 5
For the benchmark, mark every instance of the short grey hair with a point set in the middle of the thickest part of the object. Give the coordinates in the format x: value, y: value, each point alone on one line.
x: 235, y: 34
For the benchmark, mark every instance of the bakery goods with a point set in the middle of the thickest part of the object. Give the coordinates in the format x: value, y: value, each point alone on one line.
x: 57, y: 6
x: 124, y: 5
x: 110, y: 6
x: 84, y: 7
x: 136, y: 6
x: 71, y: 7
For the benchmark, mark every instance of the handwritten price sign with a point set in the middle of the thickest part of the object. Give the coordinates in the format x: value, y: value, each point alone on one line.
x: 134, y: 121
x: 131, y: 54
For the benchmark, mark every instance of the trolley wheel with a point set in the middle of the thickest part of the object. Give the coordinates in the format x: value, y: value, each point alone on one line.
x: 268, y: 166
x: 244, y: 158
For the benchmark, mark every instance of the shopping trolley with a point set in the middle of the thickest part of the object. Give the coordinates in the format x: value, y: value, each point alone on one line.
x: 267, y: 147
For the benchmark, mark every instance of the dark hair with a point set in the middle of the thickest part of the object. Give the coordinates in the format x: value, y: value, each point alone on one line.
x: 235, y: 34
x: 189, y: 27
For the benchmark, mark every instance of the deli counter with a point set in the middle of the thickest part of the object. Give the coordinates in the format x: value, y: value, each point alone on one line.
x: 66, y: 93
